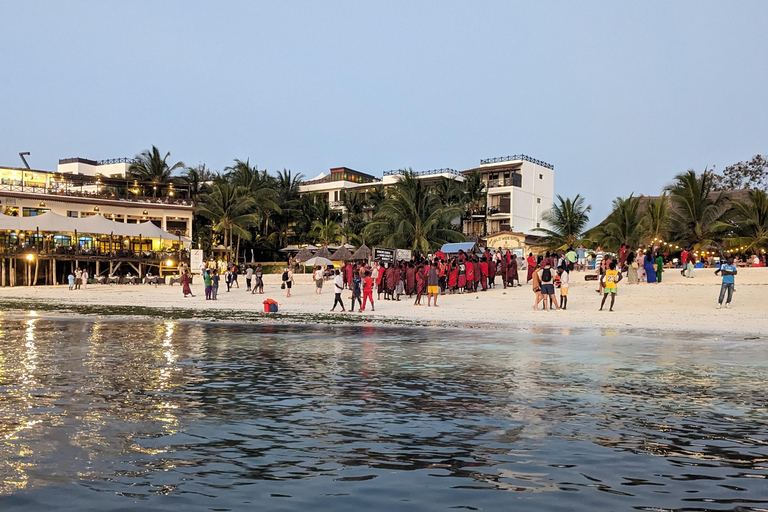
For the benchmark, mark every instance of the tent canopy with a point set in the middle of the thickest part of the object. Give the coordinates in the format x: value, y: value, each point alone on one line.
x: 96, y: 225
x: 454, y: 248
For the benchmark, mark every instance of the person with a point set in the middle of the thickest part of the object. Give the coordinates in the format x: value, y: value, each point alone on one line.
x: 228, y: 278
x: 258, y: 284
x: 248, y: 278
x: 470, y: 274
x: 367, y: 291
x: 531, y: 267
x: 683, y: 262
x: 399, y: 280
x: 612, y: 278
x: 410, y: 280
x: 84, y: 277
x: 483, y: 275
x: 208, y: 284
x: 547, y: 280
x: 433, y: 280
x: 690, y: 264
x: 659, y: 265
x: 421, y: 285
x: 356, y: 291
x: 288, y: 275
x: 599, y: 260
x: 631, y: 268
x: 513, y: 274
x: 185, y: 289
x: 71, y: 279
x: 623, y: 255
x: 78, y: 278
x: 564, y: 277
x: 338, y: 288
x: 215, y: 284
x: 581, y: 253
x: 729, y: 272
x: 536, y: 288
x: 317, y: 276
x: 572, y: 257
x: 650, y: 272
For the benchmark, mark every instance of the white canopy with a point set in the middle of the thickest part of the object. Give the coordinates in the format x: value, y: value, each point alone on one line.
x: 96, y: 225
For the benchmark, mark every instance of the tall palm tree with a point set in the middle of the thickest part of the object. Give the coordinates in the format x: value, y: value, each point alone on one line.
x: 413, y: 218
x: 286, y: 184
x: 230, y: 209
x: 449, y: 191
x: 326, y: 231
x: 624, y: 225
x: 196, y: 179
x: 748, y: 223
x: 697, y: 208
x: 568, y: 218
x: 374, y: 198
x: 260, y: 187
x: 150, y: 166
x: 476, y: 197
x: 656, y: 219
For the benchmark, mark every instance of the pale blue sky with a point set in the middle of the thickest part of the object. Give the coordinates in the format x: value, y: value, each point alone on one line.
x: 619, y: 96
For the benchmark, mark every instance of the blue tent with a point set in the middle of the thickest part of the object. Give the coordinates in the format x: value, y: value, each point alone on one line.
x: 454, y: 248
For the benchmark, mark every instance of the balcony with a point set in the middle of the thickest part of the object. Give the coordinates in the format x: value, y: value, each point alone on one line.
x: 336, y: 204
x: 515, y: 181
x: 105, y: 195
x: 498, y: 210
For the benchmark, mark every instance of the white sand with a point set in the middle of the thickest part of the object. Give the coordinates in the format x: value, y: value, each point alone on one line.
x: 677, y: 304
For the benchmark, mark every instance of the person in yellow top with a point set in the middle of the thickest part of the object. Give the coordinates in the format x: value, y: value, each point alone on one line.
x: 611, y: 279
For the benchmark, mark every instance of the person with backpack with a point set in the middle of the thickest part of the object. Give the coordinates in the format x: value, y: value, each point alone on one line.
x: 547, y: 280
x: 356, y: 291
x: 287, y: 281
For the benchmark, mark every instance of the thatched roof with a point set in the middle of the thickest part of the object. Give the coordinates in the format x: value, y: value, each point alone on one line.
x: 363, y: 253
x: 342, y: 254
x: 324, y: 253
x: 304, y: 254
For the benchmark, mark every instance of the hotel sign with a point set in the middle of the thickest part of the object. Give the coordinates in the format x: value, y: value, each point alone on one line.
x: 505, y: 240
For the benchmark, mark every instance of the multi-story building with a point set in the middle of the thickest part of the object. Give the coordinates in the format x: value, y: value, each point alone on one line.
x: 519, y: 190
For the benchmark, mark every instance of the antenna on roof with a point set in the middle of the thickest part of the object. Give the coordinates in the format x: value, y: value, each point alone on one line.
x: 24, y: 159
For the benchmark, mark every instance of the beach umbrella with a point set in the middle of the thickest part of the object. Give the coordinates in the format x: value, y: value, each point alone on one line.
x: 324, y: 253
x: 342, y: 254
x: 362, y: 254
x: 304, y: 254
x: 318, y: 260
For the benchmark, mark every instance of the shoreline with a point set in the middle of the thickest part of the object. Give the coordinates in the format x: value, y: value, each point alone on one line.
x: 677, y: 305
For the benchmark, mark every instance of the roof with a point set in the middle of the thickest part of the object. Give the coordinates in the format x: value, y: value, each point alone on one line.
x: 342, y: 254
x: 96, y: 225
x: 454, y: 248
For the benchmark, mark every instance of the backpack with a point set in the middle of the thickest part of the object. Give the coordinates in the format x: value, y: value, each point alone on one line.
x: 546, y: 276
x: 285, y: 275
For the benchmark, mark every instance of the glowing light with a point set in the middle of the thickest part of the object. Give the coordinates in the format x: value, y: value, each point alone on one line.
x: 30, y: 257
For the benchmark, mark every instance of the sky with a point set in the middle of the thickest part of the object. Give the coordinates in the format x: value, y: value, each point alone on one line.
x: 619, y: 96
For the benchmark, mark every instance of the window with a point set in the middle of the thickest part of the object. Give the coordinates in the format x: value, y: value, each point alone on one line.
x: 72, y: 214
x: 62, y: 240
x: 33, y: 212
x: 541, y: 176
x: 517, y: 179
x: 538, y: 200
x: 538, y: 224
x: 336, y: 196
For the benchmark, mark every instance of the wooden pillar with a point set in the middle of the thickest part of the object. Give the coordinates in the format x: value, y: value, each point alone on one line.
x: 98, y: 267
x: 2, y: 272
x: 37, y: 267
x: 53, y: 268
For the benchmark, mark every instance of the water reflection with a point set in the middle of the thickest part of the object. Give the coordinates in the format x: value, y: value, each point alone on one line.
x: 376, y: 415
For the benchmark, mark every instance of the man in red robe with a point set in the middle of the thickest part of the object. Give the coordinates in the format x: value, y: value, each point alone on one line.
x: 410, y: 280
x: 390, y: 281
x: 531, y: 266
x: 484, y: 273
x: 470, y: 275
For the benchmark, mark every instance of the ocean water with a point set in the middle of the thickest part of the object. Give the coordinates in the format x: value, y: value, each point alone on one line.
x: 101, y: 414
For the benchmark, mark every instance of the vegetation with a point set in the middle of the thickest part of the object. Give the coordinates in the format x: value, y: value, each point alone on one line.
x: 568, y: 219
x: 149, y: 166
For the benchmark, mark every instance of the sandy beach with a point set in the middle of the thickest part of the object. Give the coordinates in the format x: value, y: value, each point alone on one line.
x: 677, y: 304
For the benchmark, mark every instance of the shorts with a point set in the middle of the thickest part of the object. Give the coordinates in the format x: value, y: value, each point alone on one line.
x: 582, y: 261
x: 563, y: 291
x: 288, y: 284
x: 319, y: 283
x: 548, y: 289
x: 433, y: 290
x: 610, y: 290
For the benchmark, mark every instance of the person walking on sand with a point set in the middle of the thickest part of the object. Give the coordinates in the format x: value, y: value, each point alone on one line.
x: 659, y: 265
x: 356, y: 291
x: 185, y: 289
x: 433, y: 280
x: 248, y: 278
x: 612, y: 278
x: 536, y: 287
x: 338, y: 288
x: 215, y: 284
x: 317, y: 276
x: 288, y: 280
x: 531, y: 267
x: 367, y: 291
x: 690, y: 264
x: 84, y: 277
x: 729, y: 272
x: 208, y: 281
x: 547, y: 280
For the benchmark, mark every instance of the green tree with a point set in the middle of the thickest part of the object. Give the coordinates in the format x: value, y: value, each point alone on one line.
x: 748, y: 223
x: 476, y: 198
x: 196, y: 178
x: 449, y: 191
x: 413, y: 218
x: 230, y: 209
x: 656, y: 219
x: 752, y: 174
x: 624, y: 225
x: 696, y: 208
x: 150, y: 166
x: 568, y: 218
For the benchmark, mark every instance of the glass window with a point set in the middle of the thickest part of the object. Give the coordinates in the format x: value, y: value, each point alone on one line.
x: 72, y: 214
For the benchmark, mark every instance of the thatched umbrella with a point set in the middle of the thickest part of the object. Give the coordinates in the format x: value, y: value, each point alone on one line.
x: 342, y: 254
x: 304, y: 254
x: 324, y: 253
x: 362, y: 254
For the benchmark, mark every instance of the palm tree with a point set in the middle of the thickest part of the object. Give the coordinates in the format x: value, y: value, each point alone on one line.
x: 413, y: 218
x: 286, y: 184
x: 375, y: 198
x: 326, y: 231
x: 748, y: 226
x: 196, y: 179
x: 476, y: 197
x: 259, y: 186
x: 149, y: 166
x: 656, y: 219
x: 697, y: 208
x: 568, y: 219
x: 449, y: 191
x: 624, y: 225
x: 230, y: 209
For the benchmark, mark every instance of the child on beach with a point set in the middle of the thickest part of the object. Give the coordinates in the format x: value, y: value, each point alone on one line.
x: 611, y: 279
x: 564, y: 276
x: 367, y: 291
x: 71, y: 279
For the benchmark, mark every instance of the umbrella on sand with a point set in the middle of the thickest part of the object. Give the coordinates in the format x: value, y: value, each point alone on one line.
x: 304, y: 254
x: 342, y: 254
x: 324, y: 253
x: 318, y: 260
x: 362, y: 254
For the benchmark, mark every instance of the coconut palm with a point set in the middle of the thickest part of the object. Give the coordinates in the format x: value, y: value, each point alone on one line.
x: 568, y: 218
x: 476, y: 197
x: 230, y: 209
x: 196, y: 178
x: 747, y: 227
x: 696, y: 208
x: 149, y: 166
x: 413, y: 218
x: 326, y: 231
x: 656, y: 219
x: 449, y: 191
x: 624, y: 225
x: 259, y: 186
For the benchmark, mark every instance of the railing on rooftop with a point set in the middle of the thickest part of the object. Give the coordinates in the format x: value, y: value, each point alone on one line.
x: 329, y: 179
x: 106, y: 194
x: 396, y: 172
x: 108, y: 161
x: 512, y: 158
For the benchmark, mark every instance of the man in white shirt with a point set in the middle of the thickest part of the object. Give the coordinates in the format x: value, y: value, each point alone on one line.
x: 338, y: 287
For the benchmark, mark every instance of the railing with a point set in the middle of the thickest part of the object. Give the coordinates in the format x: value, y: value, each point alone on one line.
x: 116, y: 161
x: 512, y: 158
x: 72, y: 251
x: 430, y: 172
x: 327, y: 179
x: 336, y: 204
x: 495, y: 210
x: 92, y: 195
